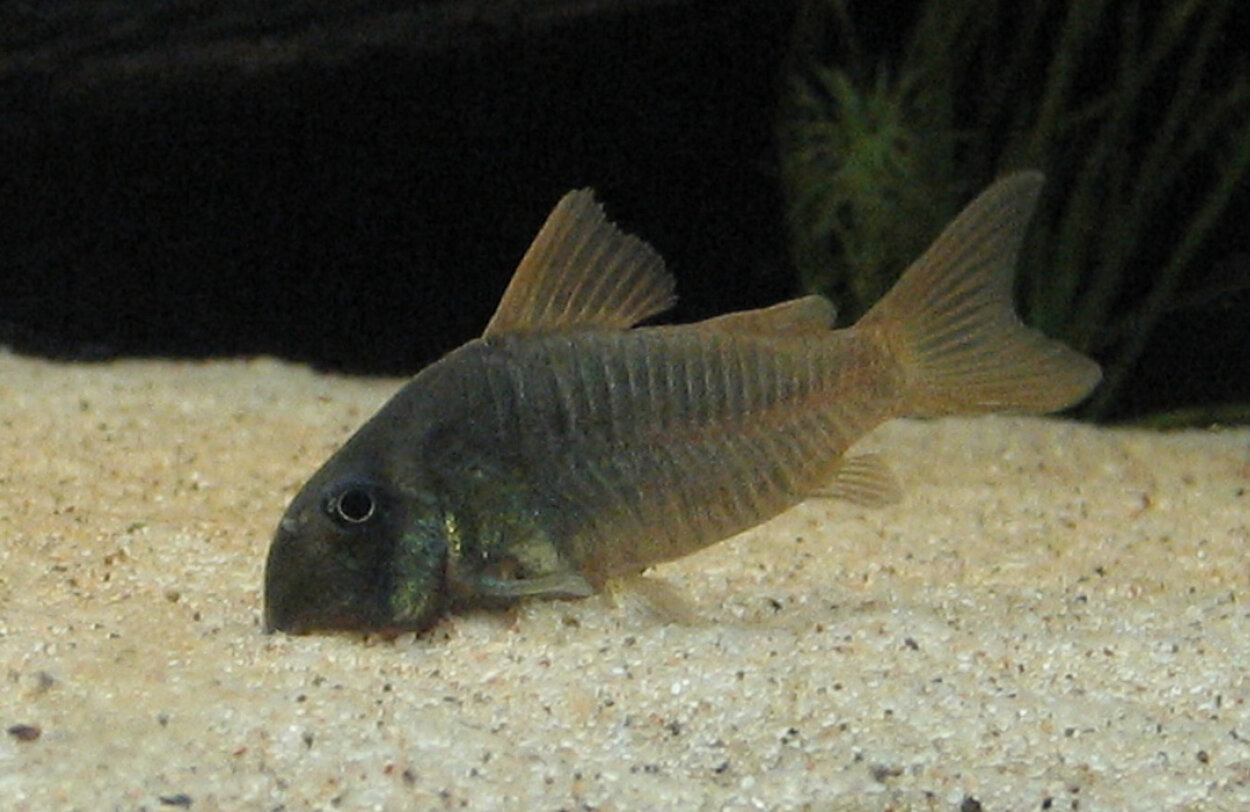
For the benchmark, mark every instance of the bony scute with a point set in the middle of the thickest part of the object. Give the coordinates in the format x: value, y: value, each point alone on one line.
x: 566, y: 447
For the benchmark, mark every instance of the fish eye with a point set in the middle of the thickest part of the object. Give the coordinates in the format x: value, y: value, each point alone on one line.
x: 354, y: 505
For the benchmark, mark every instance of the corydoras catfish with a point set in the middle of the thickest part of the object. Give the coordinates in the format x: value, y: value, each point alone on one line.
x: 563, y: 448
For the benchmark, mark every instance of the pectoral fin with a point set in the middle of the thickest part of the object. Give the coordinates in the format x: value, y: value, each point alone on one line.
x: 864, y: 480
x: 582, y: 271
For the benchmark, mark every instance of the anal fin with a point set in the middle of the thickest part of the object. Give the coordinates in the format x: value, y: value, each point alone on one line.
x: 864, y: 480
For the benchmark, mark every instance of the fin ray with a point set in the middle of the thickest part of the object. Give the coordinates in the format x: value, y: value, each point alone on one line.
x: 582, y: 271
x: 951, y: 323
x: 864, y: 480
x: 553, y: 585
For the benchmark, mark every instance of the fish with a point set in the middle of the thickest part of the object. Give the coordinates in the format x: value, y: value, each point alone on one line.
x: 568, y: 446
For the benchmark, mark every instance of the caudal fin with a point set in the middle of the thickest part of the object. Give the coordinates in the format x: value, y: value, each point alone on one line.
x: 950, y: 319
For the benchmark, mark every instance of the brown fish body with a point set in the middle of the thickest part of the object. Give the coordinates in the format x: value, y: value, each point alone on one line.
x: 656, y: 442
x: 563, y: 448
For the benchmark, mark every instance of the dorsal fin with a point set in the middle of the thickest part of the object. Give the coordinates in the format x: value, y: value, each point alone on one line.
x: 582, y: 271
x: 810, y: 314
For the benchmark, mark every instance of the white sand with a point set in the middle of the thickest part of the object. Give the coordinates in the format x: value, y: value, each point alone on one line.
x: 1054, y: 615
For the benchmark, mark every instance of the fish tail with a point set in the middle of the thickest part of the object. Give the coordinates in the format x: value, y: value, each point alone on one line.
x: 951, y: 325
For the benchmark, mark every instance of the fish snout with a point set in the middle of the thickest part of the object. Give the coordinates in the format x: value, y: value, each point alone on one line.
x: 282, y: 582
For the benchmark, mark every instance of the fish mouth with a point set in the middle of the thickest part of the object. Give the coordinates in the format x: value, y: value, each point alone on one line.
x: 342, y: 626
x: 288, y: 584
x: 302, y: 597
x: 295, y: 626
x: 330, y: 622
x: 274, y: 586
x: 271, y: 623
x: 276, y: 620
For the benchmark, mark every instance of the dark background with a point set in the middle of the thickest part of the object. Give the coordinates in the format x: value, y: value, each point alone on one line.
x: 351, y: 184
x: 363, y: 211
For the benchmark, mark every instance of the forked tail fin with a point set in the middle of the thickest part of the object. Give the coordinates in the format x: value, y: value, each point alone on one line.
x: 951, y: 323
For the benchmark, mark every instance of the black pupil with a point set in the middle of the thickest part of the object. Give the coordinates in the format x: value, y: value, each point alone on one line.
x: 355, y: 505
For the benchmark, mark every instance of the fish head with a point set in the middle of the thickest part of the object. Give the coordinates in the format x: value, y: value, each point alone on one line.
x: 356, y: 552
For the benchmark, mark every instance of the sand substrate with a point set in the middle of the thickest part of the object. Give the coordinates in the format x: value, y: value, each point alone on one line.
x: 1054, y: 617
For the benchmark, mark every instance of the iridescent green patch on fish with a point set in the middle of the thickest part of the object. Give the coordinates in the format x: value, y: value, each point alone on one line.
x: 565, y: 447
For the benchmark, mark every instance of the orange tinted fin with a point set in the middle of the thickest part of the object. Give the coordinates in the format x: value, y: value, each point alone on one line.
x: 582, y: 271
x: 950, y: 321
x: 865, y: 480
x: 810, y: 314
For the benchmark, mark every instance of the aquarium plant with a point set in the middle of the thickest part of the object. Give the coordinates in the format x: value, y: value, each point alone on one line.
x: 1138, y: 113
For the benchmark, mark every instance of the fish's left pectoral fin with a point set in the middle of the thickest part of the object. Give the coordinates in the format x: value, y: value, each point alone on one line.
x: 554, y: 585
x: 583, y: 271
x: 865, y: 480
